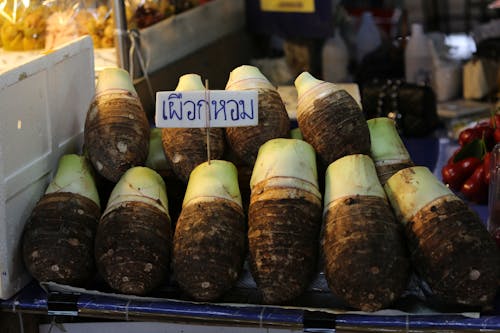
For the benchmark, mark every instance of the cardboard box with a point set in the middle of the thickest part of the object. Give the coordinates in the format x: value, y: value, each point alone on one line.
x: 42, y: 115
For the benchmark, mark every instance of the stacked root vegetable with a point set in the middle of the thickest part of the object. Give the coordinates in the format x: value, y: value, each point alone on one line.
x: 346, y: 200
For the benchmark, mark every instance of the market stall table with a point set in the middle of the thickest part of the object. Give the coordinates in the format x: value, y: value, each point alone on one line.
x: 318, y: 312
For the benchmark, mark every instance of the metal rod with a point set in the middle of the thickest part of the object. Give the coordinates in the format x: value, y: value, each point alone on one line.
x: 122, y: 42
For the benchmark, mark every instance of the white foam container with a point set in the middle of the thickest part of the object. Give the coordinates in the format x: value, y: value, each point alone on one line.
x: 43, y: 104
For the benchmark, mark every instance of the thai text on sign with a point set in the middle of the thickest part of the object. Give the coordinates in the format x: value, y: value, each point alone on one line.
x: 200, y: 108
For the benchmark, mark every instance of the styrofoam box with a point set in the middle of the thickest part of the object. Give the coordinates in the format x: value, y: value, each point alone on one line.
x: 43, y: 104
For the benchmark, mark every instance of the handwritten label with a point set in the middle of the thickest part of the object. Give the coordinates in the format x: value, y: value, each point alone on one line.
x: 291, y: 6
x: 189, y: 109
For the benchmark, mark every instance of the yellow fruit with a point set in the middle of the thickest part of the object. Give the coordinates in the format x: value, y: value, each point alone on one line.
x: 96, y: 40
x: 91, y: 26
x: 12, y: 37
x: 34, y: 24
x: 109, y: 31
x: 33, y: 43
x: 107, y: 42
x: 103, y: 12
x: 82, y: 20
x: 1, y: 23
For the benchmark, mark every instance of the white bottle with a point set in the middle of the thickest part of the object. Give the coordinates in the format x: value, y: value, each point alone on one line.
x: 335, y: 59
x: 418, y: 57
x: 368, y: 38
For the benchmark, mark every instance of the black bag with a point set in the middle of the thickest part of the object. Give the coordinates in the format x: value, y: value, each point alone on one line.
x: 412, y: 106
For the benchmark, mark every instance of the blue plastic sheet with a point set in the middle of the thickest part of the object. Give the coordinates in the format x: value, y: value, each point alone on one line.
x: 35, y: 299
x: 449, y: 322
x: 260, y: 315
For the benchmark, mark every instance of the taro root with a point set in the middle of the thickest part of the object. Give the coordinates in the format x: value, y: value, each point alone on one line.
x: 366, y: 260
x: 450, y: 247
x: 209, y: 239
x: 156, y: 159
x: 133, y: 240
x: 284, y: 219
x: 58, y: 240
x: 159, y: 162
x: 244, y: 175
x: 387, y: 149
x: 186, y: 148
x: 296, y: 134
x: 273, y: 118
x: 330, y: 119
x: 116, y: 134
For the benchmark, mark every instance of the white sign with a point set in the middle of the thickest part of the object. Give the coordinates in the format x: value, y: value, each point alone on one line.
x: 212, y: 108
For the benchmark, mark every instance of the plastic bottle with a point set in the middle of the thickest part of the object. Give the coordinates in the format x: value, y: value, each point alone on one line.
x: 418, y: 57
x: 335, y: 59
x: 368, y: 38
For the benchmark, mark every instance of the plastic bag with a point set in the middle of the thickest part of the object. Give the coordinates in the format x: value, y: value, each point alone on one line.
x: 149, y: 12
x: 62, y: 25
x: 23, y: 25
x: 99, y: 25
x: 73, y: 19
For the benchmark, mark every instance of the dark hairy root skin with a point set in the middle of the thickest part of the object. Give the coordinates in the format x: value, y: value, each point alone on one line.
x: 185, y: 148
x: 209, y: 248
x: 366, y: 261
x: 385, y: 172
x: 454, y: 253
x: 132, y: 248
x: 273, y: 123
x: 335, y: 127
x: 283, y: 232
x: 116, y: 134
x: 58, y: 240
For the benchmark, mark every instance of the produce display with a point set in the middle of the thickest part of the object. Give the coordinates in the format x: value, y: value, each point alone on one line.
x: 64, y: 25
x: 149, y: 12
x: 26, y: 30
x: 209, y: 240
x: 387, y: 149
x: 273, y: 118
x: 133, y: 240
x: 468, y: 169
x: 99, y: 24
x: 330, y: 119
x: 45, y: 25
x: 158, y: 161
x: 116, y: 135
x: 284, y: 219
x: 382, y: 218
x: 450, y: 247
x: 186, y: 148
x: 358, y: 220
x: 58, y: 239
